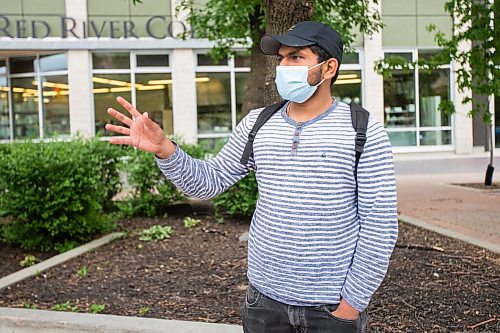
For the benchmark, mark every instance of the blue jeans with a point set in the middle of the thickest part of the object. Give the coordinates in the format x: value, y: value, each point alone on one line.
x: 262, y: 314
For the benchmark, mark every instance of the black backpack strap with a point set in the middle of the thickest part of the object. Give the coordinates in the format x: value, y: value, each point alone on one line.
x: 263, y: 117
x: 359, y: 117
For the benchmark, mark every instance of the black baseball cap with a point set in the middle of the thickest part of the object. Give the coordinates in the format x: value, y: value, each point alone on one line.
x: 305, y: 34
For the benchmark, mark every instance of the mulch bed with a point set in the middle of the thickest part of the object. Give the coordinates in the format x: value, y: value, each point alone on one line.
x: 11, y: 256
x: 480, y: 186
x: 434, y: 283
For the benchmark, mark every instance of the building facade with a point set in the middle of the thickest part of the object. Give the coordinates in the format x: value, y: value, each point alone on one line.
x: 64, y: 62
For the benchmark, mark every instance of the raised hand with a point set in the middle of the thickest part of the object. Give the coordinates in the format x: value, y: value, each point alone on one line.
x: 140, y: 131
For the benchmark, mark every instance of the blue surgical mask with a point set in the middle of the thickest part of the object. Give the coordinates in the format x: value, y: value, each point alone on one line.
x: 292, y: 84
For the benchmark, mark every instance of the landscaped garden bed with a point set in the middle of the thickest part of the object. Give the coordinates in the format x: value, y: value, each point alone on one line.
x: 434, y: 283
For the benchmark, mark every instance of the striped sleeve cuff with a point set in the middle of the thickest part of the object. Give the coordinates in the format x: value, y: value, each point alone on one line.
x: 172, y: 161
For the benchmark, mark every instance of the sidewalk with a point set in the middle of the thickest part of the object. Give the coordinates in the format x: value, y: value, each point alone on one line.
x: 40, y: 321
x: 427, y: 198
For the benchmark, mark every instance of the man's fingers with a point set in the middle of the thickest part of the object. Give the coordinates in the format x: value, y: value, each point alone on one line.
x: 121, y: 141
x: 129, y: 107
x: 148, y: 122
x: 120, y: 116
x: 118, y: 129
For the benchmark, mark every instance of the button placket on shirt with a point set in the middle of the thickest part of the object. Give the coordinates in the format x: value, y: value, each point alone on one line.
x: 295, y: 140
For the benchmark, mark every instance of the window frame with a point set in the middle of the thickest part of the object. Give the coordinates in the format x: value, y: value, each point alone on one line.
x: 357, y: 67
x: 132, y: 71
x: 37, y: 74
x: 418, y: 129
x: 232, y: 70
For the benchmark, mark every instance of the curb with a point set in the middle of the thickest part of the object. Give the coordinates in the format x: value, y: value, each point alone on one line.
x: 450, y: 233
x: 41, y: 321
x: 56, y: 260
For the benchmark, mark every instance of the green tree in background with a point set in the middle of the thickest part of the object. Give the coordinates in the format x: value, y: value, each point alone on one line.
x: 233, y: 23
x: 473, y: 45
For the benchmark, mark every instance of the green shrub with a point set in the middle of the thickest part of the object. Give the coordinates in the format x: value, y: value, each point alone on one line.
x: 156, y: 233
x: 152, y: 191
x: 240, y: 199
x: 96, y: 308
x: 29, y: 260
x: 66, y: 306
x: 55, y: 192
x: 190, y: 222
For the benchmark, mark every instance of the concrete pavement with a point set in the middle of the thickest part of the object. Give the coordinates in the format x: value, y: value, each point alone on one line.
x: 428, y: 198
x: 41, y: 321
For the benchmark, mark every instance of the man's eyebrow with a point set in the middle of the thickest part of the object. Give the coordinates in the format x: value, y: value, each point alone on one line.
x: 291, y: 53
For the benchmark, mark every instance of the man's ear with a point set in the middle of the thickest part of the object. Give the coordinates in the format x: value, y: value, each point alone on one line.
x: 332, y: 66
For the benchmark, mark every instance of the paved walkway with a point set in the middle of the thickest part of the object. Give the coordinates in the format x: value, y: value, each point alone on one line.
x: 428, y: 198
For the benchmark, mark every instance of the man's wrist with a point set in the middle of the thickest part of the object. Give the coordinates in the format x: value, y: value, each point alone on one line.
x: 345, y: 311
x: 167, y: 149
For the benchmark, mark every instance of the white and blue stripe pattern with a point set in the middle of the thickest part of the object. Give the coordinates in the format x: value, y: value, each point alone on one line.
x: 308, y: 243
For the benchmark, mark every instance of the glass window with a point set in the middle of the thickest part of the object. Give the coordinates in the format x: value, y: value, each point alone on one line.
x: 152, y: 60
x: 126, y: 7
x: 4, y: 109
x: 25, y: 107
x: 9, y: 6
x: 150, y: 8
x: 399, y: 30
x: 435, y: 138
x: 213, y: 144
x: 3, y: 67
x: 405, y: 55
x: 54, y: 62
x: 119, y: 60
x: 206, y: 60
x: 347, y: 88
x: 146, y: 19
x: 154, y: 95
x: 22, y: 65
x: 107, y: 87
x: 350, y: 58
x: 109, y: 7
x: 399, y: 139
x: 55, y: 105
x: 241, y: 79
x: 37, y: 7
x: 399, y: 100
x: 434, y: 87
x: 399, y: 7
x: 213, y: 95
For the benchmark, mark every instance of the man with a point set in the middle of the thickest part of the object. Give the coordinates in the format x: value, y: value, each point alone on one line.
x: 320, y: 238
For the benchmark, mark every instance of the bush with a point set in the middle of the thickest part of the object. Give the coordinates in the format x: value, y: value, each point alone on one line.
x: 156, y: 233
x: 240, y: 199
x: 152, y: 191
x: 55, y: 192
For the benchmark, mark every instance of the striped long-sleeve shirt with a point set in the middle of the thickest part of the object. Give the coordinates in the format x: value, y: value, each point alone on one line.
x: 309, y: 243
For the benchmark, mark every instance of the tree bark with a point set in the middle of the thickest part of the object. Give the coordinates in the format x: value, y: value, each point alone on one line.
x: 280, y: 16
x: 254, y: 86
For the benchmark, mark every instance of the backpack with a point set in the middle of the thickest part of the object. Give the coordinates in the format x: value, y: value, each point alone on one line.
x: 359, y: 118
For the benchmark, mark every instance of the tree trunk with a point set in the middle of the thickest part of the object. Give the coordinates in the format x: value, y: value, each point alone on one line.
x: 280, y: 16
x: 254, y: 87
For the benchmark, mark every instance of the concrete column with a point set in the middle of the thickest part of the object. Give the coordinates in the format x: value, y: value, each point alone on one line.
x: 81, y: 112
x: 77, y: 9
x: 373, y: 82
x: 184, y: 95
x: 463, y: 134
